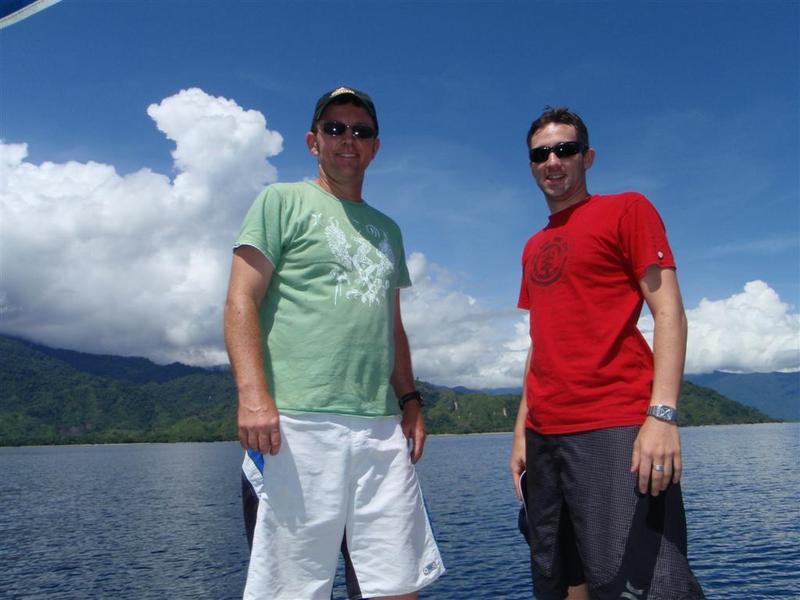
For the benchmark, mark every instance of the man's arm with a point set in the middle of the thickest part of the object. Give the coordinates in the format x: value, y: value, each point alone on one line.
x: 258, y: 417
x: 518, y: 456
x: 658, y: 443
x: 402, y: 381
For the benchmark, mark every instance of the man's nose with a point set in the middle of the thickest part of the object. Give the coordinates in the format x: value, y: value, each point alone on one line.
x: 552, y: 159
x: 348, y: 133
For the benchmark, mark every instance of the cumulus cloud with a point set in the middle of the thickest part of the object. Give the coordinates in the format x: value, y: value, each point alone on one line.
x: 455, y: 340
x: 219, y: 147
x: 137, y: 263
x: 750, y: 331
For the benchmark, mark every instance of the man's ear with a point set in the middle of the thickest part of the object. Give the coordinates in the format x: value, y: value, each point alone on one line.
x: 311, y: 142
x: 588, y: 159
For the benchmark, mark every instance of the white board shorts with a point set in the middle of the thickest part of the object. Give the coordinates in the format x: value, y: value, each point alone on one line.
x: 338, y: 475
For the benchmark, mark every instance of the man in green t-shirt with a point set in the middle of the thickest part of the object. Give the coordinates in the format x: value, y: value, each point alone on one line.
x: 328, y: 413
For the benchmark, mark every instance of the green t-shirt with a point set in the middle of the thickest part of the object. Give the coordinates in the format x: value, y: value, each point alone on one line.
x: 327, y: 320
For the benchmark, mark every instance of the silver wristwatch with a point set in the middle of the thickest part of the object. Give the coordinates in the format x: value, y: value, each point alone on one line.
x: 662, y: 412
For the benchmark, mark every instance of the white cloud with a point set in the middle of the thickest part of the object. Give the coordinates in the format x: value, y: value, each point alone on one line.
x: 454, y: 339
x: 750, y: 331
x: 132, y: 264
x: 457, y: 341
x: 219, y: 147
x: 137, y: 264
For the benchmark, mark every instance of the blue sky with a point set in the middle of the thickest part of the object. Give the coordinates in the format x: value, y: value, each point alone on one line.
x: 695, y: 104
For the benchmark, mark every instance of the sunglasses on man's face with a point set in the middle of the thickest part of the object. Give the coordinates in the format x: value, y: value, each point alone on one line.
x: 563, y: 149
x: 361, y: 131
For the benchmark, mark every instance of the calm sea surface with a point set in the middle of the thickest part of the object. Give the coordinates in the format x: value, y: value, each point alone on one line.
x: 164, y: 520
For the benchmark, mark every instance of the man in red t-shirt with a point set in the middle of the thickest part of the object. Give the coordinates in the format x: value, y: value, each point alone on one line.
x: 596, y: 427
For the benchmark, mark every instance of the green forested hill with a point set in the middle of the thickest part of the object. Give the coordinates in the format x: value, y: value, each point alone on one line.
x: 132, y: 369
x: 45, y: 399
x: 451, y: 412
x: 62, y: 397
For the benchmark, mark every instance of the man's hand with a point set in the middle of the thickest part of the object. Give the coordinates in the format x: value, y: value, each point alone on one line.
x: 657, y: 456
x: 413, y: 426
x: 259, y: 426
x: 517, y: 464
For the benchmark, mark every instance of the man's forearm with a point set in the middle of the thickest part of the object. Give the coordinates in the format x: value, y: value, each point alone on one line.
x: 257, y: 416
x: 522, y: 411
x: 522, y: 415
x: 245, y: 349
x: 656, y: 456
x: 402, y: 379
x: 518, y: 458
x: 669, y: 355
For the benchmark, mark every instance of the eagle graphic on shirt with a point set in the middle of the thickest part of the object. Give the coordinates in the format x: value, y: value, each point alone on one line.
x: 364, y: 268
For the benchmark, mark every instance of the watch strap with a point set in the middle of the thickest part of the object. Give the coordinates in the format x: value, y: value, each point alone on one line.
x: 406, y: 398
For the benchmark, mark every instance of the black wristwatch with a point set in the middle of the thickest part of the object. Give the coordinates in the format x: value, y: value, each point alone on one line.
x: 415, y: 395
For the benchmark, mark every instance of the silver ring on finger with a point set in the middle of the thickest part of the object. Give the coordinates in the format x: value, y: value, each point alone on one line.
x: 658, y: 468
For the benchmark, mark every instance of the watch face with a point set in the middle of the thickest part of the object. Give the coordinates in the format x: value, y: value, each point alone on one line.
x: 665, y: 413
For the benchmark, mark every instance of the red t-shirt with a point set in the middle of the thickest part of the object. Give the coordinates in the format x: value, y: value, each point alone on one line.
x: 590, y: 368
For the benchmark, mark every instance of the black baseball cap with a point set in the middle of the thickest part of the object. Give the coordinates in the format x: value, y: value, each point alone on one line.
x: 360, y: 98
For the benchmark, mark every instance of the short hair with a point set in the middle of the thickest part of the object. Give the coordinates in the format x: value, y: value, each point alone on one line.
x: 562, y: 115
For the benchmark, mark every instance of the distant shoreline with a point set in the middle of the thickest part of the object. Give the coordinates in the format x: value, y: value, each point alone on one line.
x: 431, y: 435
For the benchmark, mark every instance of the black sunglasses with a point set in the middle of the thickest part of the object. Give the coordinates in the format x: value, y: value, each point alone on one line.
x: 361, y: 131
x: 561, y: 150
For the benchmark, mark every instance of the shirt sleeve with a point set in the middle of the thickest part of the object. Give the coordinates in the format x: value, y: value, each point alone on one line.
x: 403, y: 279
x: 643, y: 237
x: 262, y: 226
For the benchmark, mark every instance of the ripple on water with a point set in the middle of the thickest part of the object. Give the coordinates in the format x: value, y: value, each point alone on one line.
x: 163, y: 520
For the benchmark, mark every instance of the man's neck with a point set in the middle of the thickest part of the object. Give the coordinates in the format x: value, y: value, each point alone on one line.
x: 558, y: 204
x: 350, y: 192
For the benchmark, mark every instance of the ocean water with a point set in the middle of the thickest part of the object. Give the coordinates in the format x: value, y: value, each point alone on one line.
x: 156, y: 521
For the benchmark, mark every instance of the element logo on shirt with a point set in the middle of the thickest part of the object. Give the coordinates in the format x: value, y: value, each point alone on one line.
x: 548, y: 262
x: 364, y: 268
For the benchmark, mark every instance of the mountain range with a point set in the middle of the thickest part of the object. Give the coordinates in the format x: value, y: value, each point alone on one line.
x: 55, y: 396
x: 775, y: 394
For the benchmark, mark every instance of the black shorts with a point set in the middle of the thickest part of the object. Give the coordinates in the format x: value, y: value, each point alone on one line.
x: 630, y: 545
